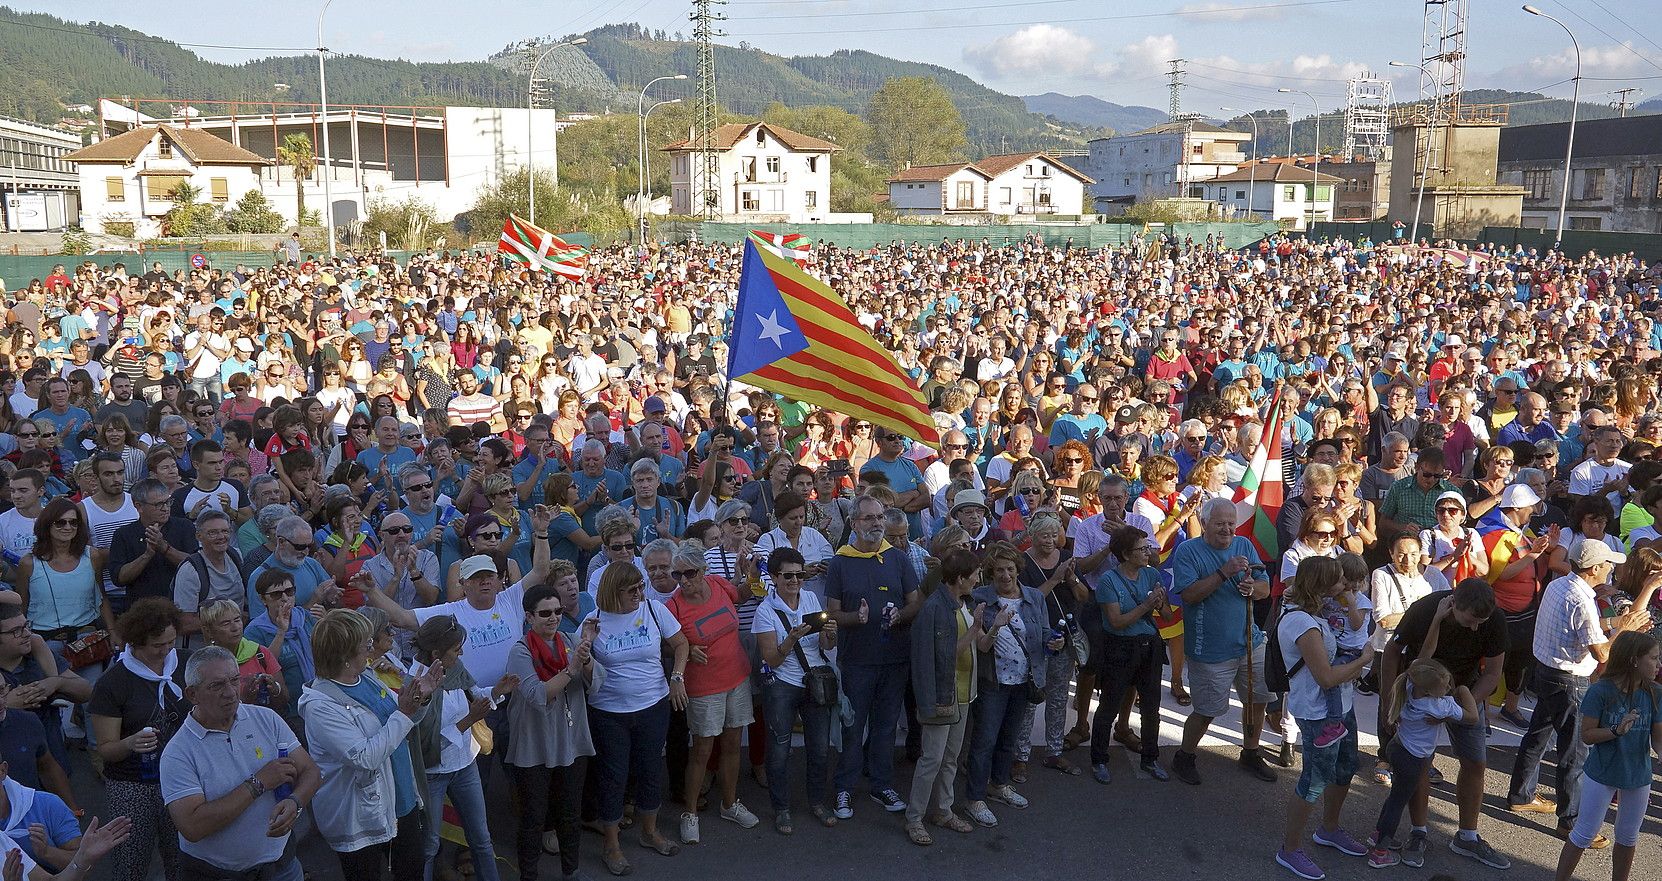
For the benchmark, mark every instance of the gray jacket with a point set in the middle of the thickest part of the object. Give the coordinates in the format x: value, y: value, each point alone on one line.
x: 934, y: 661
x: 353, y: 750
x: 1035, y: 618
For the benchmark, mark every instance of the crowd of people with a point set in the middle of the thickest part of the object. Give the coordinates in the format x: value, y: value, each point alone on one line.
x: 322, y: 547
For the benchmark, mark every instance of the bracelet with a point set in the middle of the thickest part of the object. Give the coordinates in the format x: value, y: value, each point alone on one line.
x: 543, y: 537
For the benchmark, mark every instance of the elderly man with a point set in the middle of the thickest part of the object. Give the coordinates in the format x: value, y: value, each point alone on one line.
x: 388, y: 453
x: 955, y: 445
x: 407, y: 574
x: 540, y: 458
x: 1410, y: 504
x: 225, y: 801
x: 264, y: 491
x: 597, y: 485
x: 1018, y: 445
x: 426, y: 516
x: 1602, y: 473
x: 1219, y: 578
x: 292, y: 553
x: 69, y: 420
x: 176, y: 439
x: 146, y: 554
x: 1390, y: 467
x: 1570, y: 643
x: 657, y: 447
x: 1394, y: 416
x: 216, y: 572
x: 1082, y: 422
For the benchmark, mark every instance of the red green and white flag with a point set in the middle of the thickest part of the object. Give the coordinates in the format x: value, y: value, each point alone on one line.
x: 791, y: 246
x: 1258, y: 500
x: 538, y: 248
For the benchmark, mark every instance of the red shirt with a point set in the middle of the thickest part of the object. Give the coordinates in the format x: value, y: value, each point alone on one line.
x: 713, y: 625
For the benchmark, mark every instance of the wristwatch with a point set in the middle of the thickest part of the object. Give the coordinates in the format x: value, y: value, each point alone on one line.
x: 677, y: 677
x: 255, y: 787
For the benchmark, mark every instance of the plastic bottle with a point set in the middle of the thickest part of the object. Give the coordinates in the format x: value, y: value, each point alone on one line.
x: 150, y: 763
x: 888, y: 619
x: 767, y: 673
x: 283, y: 790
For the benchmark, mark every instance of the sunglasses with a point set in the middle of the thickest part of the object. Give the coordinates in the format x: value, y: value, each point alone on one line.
x: 891, y: 437
x: 1449, y: 509
x: 415, y: 488
x: 1031, y: 491
x: 67, y: 521
x: 789, y: 576
x: 548, y: 613
x: 739, y: 521
x: 627, y: 546
x: 1322, y: 533
x: 1073, y: 460
x: 28, y: 434
x: 488, y: 536
x: 1084, y: 399
x: 285, y: 592
x: 683, y: 574
x: 397, y: 530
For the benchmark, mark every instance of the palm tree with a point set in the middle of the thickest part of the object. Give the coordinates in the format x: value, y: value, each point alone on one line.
x: 297, y: 153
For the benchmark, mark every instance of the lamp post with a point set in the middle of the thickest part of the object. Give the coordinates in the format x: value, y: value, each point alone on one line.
x: 641, y: 183
x: 531, y: 128
x: 1252, y: 168
x: 1575, y: 101
x: 1419, y: 200
x: 646, y: 171
x: 1315, y: 169
x: 323, y: 99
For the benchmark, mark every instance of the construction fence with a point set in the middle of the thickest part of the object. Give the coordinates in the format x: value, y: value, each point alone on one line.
x: 864, y: 236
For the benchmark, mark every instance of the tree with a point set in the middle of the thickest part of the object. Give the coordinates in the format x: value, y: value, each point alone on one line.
x: 253, y: 214
x: 189, y: 217
x: 827, y: 123
x: 914, y: 122
x: 297, y: 153
x: 410, y: 224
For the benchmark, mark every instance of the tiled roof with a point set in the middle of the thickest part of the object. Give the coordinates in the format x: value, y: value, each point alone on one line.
x: 200, y: 147
x: 732, y: 133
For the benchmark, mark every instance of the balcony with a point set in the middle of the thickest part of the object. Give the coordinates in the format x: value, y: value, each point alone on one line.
x: 752, y: 176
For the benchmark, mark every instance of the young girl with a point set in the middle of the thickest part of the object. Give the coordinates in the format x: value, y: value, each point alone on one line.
x: 1419, y: 702
x: 1621, y: 725
x: 1347, y: 616
x: 288, y: 433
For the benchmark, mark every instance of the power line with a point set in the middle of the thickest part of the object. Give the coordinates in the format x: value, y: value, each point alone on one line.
x: 1233, y: 10
x: 1635, y: 30
x: 924, y: 11
x: 82, y: 32
x: 1608, y: 36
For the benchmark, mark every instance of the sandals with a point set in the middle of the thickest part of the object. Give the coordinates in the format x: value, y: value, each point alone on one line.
x: 1057, y: 763
x: 825, y: 816
x: 1076, y: 737
x: 1018, y: 772
x: 949, y: 820
x: 616, y: 862
x: 1382, y: 774
x: 1129, y: 739
x: 663, y: 846
x: 918, y: 835
x: 1181, y: 695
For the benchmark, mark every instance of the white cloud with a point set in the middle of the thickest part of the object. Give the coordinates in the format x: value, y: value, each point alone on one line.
x: 1035, y: 49
x: 1228, y: 12
x: 1617, y: 60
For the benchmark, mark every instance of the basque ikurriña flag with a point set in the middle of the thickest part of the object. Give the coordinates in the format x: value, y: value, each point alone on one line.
x: 794, y: 336
x: 792, y: 246
x: 538, y: 248
x: 1258, y: 500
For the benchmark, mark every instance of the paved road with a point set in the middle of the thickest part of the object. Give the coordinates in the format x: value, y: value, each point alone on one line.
x: 1132, y: 829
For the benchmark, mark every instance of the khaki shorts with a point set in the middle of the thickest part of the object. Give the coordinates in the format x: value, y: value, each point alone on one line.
x: 711, y: 714
x: 1209, y: 684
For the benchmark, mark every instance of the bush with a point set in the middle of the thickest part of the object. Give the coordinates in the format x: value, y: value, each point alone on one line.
x: 410, y: 225
x: 76, y: 241
x: 253, y: 214
x: 122, y: 228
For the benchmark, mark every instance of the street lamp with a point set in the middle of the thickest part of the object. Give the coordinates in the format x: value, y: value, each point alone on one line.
x: 646, y: 170
x: 1419, y: 200
x: 1252, y: 168
x: 531, y: 128
x: 1575, y: 101
x: 323, y: 99
x: 641, y: 182
x: 1315, y: 170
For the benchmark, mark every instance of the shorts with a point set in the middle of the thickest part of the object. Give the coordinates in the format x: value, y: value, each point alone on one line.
x: 1333, y: 765
x: 1209, y: 684
x: 711, y: 714
x: 1469, y: 743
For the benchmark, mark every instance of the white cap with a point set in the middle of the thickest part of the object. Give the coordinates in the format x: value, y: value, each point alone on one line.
x: 1519, y: 495
x: 476, y: 564
x: 1453, y: 339
x: 1589, y: 552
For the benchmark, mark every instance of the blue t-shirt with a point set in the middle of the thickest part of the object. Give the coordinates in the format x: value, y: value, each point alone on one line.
x: 374, y: 695
x: 1114, y: 587
x: 523, y: 470
x: 1623, y: 763
x: 70, y: 421
x: 560, y: 545
x: 1080, y: 428
x: 1214, y: 629
x: 22, y: 743
x: 371, y: 459
x: 617, y: 486
x: 904, y: 477
x: 307, y: 576
x: 48, y: 810
x: 662, y: 519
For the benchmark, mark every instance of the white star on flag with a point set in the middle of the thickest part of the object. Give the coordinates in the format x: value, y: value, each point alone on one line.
x: 772, y: 330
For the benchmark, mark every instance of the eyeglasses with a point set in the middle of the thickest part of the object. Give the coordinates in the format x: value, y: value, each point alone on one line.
x: 891, y: 437
x: 860, y: 426
x: 956, y: 446
x: 282, y: 592
x: 17, y: 632
x: 1196, y: 439
x: 28, y: 434
x: 684, y: 574
x: 738, y: 521
x: 788, y: 576
x: 547, y: 613
x: 626, y: 546
x: 67, y: 521
x: 1091, y: 399
x: 1435, y: 475
x: 397, y: 530
x: 502, y: 492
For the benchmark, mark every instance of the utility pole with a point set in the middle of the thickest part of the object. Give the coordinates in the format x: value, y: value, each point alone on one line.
x: 705, y: 185
x: 1621, y: 103
x: 1174, y: 103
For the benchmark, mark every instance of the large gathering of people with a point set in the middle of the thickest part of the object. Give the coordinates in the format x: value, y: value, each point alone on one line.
x: 357, y: 548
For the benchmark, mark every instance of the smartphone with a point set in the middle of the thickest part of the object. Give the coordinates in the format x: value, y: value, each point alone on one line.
x: 839, y: 467
x: 816, y: 621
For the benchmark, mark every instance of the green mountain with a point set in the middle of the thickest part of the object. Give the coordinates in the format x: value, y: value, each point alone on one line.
x: 1090, y: 110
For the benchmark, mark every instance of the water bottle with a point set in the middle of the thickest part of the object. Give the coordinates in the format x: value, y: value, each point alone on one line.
x: 150, y: 763
x: 767, y: 673
x: 11, y: 556
x: 888, y: 609
x: 1055, y: 634
x: 283, y: 790
x: 263, y: 693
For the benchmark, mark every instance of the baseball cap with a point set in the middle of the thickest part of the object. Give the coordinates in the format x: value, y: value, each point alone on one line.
x: 1589, y: 552
x: 1519, y: 495
x: 654, y: 404
x: 476, y: 564
x: 1127, y: 413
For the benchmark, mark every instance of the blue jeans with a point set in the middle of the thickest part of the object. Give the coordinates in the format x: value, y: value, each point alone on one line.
x: 467, y: 794
x: 782, y: 703
x: 876, y: 692
x: 999, y: 711
x: 208, y: 386
x: 1333, y: 765
x: 1557, y: 711
x: 630, y: 749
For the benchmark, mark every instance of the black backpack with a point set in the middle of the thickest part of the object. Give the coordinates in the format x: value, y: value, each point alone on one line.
x: 1277, y: 676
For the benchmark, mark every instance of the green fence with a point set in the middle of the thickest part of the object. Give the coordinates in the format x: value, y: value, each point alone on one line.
x: 1377, y: 231
x: 870, y: 235
x: 1577, y: 242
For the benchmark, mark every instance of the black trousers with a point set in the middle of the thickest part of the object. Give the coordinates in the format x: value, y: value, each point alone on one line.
x: 406, y: 851
x: 548, y: 799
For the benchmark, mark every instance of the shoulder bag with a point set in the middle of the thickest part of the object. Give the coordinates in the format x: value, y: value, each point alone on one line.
x: 821, y: 680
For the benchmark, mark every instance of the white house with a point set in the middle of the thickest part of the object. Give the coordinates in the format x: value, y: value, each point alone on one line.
x: 1156, y: 162
x: 1010, y: 184
x: 954, y: 188
x: 767, y: 174
x: 128, y: 178
x: 1273, y: 191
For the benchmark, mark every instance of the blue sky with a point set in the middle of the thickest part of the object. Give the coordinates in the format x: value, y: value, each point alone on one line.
x: 1239, y: 50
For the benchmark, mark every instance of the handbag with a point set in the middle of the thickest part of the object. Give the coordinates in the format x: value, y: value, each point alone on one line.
x: 820, y: 681
x: 1035, y: 694
x: 92, y: 648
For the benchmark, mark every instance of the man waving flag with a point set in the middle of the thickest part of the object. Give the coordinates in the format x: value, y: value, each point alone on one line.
x: 538, y: 248
x: 794, y: 336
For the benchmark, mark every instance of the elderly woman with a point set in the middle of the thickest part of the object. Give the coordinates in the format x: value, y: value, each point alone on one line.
x: 1049, y: 568
x: 1129, y: 595
x: 1452, y: 552
x: 1016, y: 617
x: 658, y: 562
x: 617, y: 544
x: 369, y: 808
x: 790, y: 512
x: 548, y: 723
x: 946, y: 641
x: 793, y: 636
x: 629, y: 709
x: 262, y: 675
x: 285, y: 629
x: 719, y: 703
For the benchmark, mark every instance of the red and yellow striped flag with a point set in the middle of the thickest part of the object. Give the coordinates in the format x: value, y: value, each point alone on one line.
x: 793, y: 335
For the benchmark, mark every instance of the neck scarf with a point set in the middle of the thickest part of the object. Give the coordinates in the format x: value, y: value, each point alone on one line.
x: 547, y: 661
x: 164, y: 680
x: 19, y: 799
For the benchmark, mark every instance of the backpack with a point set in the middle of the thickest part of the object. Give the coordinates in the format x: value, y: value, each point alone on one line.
x: 1278, y: 676
x: 201, y: 564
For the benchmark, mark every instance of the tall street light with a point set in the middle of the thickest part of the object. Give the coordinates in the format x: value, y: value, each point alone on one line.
x: 646, y: 171
x: 1315, y: 170
x: 531, y: 128
x: 1419, y: 199
x: 323, y: 99
x: 1575, y: 101
x: 1252, y: 168
x: 640, y: 150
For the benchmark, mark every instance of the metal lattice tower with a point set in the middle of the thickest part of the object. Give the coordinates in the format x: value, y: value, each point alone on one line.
x: 1367, y: 123
x: 1174, y: 105
x: 1443, y: 25
x: 705, y: 192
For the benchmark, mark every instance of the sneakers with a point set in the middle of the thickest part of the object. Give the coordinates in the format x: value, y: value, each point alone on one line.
x: 738, y: 813
x: 1253, y: 761
x: 1341, y: 841
x: 981, y: 814
x: 782, y: 823
x: 1536, y: 805
x: 1413, y: 853
x: 551, y: 843
x: 1005, y: 794
x: 1382, y: 858
x: 1099, y: 770
x: 1479, y: 850
x: 1183, y: 765
x: 689, y: 828
x: 845, y: 805
x: 889, y: 799
x: 1300, y: 864
x: 1152, y: 768
x: 1331, y: 734
x: 1390, y: 842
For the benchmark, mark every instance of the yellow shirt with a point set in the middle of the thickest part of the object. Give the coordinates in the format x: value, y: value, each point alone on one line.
x: 965, y: 680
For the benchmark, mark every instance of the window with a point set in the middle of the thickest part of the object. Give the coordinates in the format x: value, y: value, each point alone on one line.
x: 773, y: 164
x: 1586, y: 222
x: 1029, y: 171
x: 748, y: 201
x: 1044, y: 171
x: 164, y: 148
x: 115, y: 190
x: 158, y: 187
x: 1324, y: 194
x: 1659, y: 181
x: 1587, y: 183
x: 810, y: 200
x: 965, y: 195
x: 1538, y: 182
x: 1044, y: 197
x: 1128, y: 180
x: 1289, y: 194
x: 1636, y: 183
x: 776, y: 200
x: 219, y: 190
x: 1240, y: 194
x: 761, y: 136
x: 813, y: 164
x: 1003, y: 195
x: 748, y: 164
x: 1027, y: 195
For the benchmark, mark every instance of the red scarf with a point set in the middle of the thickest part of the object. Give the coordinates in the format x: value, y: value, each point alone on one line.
x: 548, y: 662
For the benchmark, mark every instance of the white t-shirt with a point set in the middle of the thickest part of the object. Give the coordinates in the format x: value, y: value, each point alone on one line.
x: 767, y: 620
x: 207, y: 361
x: 17, y: 533
x: 1417, y: 729
x: 1392, y: 594
x: 587, y: 371
x: 630, y: 651
x: 490, y: 633
x: 1304, y: 697
x: 1586, y: 478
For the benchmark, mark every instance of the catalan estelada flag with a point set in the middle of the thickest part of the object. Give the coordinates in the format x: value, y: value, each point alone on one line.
x: 1258, y: 500
x: 793, y: 335
x: 792, y: 246
x: 538, y: 248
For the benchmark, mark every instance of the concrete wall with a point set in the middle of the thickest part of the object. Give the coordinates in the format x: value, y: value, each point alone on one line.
x: 1623, y: 206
